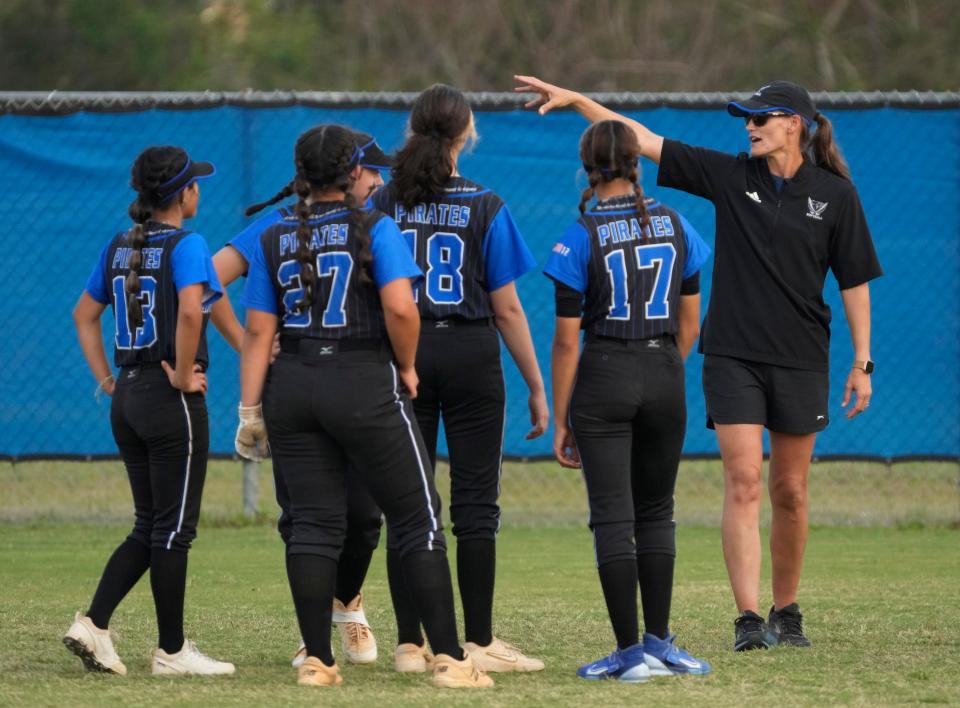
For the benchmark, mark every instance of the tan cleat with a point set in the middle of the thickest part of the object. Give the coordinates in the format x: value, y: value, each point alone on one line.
x: 313, y: 672
x: 498, y: 656
x: 412, y: 659
x: 189, y: 661
x: 450, y: 673
x: 359, y: 644
x: 94, y: 646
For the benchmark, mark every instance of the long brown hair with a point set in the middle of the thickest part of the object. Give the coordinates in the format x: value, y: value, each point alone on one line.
x: 324, y: 157
x: 609, y: 150
x: 439, y: 118
x: 821, y: 148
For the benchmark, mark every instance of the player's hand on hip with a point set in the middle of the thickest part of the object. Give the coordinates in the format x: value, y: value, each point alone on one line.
x: 539, y: 414
x: 550, y: 96
x: 410, y: 381
x: 565, y: 447
x: 860, y: 386
x: 251, y: 441
x: 189, y: 380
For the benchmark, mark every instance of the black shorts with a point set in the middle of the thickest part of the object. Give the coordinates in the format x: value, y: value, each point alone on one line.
x: 783, y: 399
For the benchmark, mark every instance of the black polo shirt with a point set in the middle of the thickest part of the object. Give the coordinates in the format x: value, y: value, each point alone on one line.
x: 772, y: 252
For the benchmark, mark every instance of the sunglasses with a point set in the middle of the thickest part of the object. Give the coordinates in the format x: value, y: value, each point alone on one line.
x: 760, y: 119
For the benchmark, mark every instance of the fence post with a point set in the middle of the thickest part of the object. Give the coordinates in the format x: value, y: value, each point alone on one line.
x: 250, y: 488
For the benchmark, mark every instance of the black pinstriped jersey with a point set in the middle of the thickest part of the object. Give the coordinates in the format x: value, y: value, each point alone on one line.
x: 344, y: 307
x: 467, y: 244
x: 630, y: 278
x: 171, y: 259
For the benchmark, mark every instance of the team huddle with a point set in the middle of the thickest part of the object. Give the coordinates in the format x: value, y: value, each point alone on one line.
x: 375, y: 312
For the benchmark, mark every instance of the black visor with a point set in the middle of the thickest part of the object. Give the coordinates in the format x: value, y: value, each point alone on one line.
x: 372, y: 155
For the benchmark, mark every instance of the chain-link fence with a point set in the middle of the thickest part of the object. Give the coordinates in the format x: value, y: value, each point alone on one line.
x: 64, y: 166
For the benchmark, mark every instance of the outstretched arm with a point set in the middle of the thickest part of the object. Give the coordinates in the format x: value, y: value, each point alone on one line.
x: 555, y: 97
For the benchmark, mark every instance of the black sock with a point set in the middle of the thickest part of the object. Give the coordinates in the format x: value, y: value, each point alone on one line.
x: 312, y: 579
x: 352, y: 570
x: 408, y: 621
x: 476, y: 570
x: 428, y: 580
x: 168, y: 579
x: 126, y: 566
x: 619, y: 582
x: 655, y: 571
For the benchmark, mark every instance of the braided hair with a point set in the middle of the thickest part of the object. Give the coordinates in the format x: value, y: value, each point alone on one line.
x: 609, y: 150
x: 153, y: 168
x: 324, y: 158
x: 440, y: 117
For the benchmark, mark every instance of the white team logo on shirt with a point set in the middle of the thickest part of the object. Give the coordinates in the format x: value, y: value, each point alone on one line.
x: 754, y: 196
x: 815, y: 209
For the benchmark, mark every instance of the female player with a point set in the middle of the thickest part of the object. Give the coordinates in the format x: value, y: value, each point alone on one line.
x: 471, y: 252
x: 159, y: 279
x: 336, y: 282
x: 628, y: 274
x: 786, y: 212
x: 363, y: 515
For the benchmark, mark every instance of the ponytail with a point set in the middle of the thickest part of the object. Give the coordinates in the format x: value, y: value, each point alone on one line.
x: 824, y: 151
x: 140, y: 211
x: 279, y: 196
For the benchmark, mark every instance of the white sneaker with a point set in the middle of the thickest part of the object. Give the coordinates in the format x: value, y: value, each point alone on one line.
x: 189, y: 660
x: 359, y: 644
x: 94, y: 646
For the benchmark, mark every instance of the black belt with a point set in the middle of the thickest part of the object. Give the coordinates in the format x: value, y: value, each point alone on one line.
x: 312, y: 347
x: 452, y: 323
x: 667, y: 340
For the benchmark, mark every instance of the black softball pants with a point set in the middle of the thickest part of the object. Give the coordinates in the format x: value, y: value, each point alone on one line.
x: 335, y: 409
x: 461, y: 380
x: 628, y: 416
x: 164, y: 437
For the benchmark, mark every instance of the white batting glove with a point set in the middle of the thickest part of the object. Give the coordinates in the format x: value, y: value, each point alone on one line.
x: 251, y: 441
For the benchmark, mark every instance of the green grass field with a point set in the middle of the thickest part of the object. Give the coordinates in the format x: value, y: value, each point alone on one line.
x: 880, y: 604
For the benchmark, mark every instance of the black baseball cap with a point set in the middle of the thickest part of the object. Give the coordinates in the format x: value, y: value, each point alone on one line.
x: 188, y: 174
x: 372, y: 155
x: 776, y: 96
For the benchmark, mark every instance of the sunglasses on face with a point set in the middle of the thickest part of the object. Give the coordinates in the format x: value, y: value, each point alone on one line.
x: 760, y: 119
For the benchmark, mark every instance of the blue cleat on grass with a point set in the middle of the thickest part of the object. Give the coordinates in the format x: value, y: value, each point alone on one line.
x: 626, y: 665
x: 664, y: 658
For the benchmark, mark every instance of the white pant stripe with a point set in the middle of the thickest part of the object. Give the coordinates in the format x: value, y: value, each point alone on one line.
x: 186, y: 476
x: 416, y: 450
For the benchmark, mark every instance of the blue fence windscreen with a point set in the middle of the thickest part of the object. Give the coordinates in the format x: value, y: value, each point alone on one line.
x: 64, y: 181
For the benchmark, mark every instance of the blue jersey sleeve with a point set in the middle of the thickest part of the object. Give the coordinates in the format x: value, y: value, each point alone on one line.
x: 96, y: 285
x: 248, y: 240
x: 192, y: 264
x: 505, y: 254
x: 259, y: 292
x: 569, y: 258
x: 391, y: 254
x: 697, y: 250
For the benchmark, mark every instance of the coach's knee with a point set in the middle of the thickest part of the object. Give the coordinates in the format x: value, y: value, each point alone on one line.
x: 363, y: 533
x: 742, y: 482
x: 789, y: 495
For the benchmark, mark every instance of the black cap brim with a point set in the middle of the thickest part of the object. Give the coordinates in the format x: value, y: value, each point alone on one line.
x: 372, y: 155
x: 191, y: 173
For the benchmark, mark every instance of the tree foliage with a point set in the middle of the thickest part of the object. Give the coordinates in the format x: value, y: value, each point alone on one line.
x: 636, y: 45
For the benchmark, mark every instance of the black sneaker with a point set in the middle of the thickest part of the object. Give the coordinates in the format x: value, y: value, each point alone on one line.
x: 751, y: 633
x: 786, y: 626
